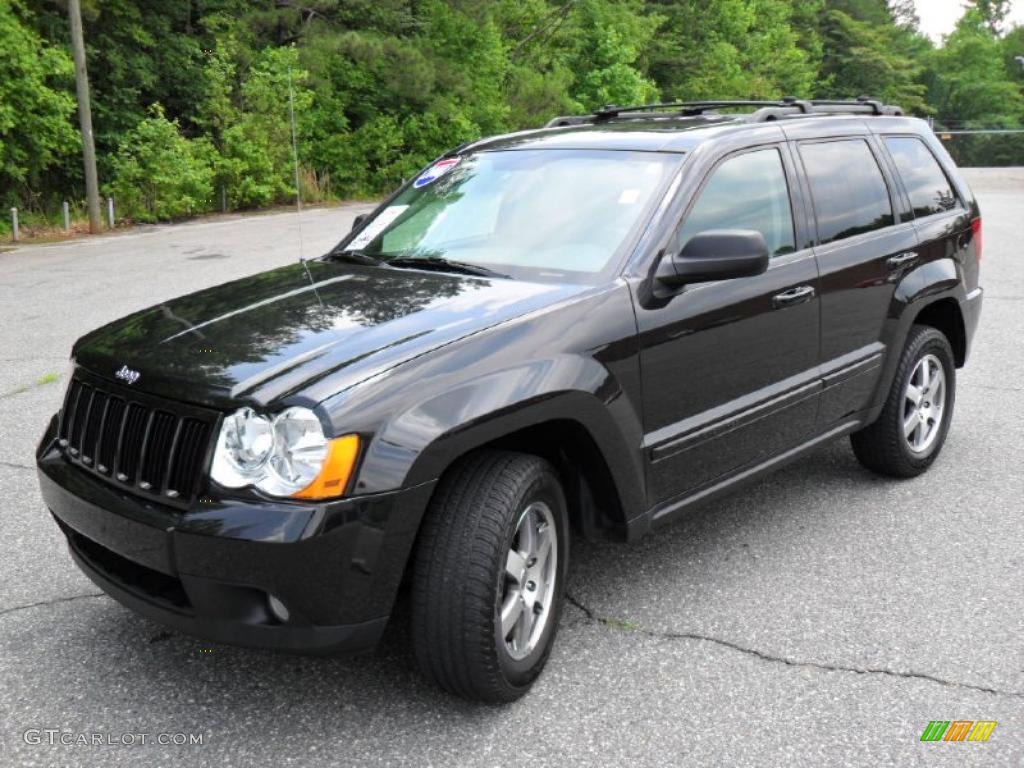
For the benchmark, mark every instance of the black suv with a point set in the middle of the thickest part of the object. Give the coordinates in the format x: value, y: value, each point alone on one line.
x: 577, y: 331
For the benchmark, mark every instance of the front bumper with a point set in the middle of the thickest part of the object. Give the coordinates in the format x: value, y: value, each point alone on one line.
x: 211, y: 570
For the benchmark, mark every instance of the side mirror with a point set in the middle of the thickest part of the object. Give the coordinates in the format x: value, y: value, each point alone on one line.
x: 715, y: 254
x: 358, y: 221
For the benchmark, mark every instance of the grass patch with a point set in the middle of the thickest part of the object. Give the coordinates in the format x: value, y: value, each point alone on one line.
x: 47, y: 378
x: 626, y: 626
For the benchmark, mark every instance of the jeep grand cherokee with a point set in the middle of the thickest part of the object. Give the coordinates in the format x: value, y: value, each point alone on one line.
x: 577, y: 331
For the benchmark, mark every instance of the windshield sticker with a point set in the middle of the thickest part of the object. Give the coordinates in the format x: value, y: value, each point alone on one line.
x: 435, y: 172
x: 378, y: 225
x: 629, y: 196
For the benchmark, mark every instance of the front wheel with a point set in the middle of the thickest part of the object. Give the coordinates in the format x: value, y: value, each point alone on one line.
x: 489, y: 575
x: 912, y: 427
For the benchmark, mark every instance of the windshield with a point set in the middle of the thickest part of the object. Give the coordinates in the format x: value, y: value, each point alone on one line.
x: 532, y: 214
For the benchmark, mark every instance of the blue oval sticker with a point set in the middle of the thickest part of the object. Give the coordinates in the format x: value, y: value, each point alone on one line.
x: 434, y: 172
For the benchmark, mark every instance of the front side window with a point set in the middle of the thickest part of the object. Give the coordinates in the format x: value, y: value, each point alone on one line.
x: 748, y: 191
x: 849, y: 192
x: 926, y: 184
x: 535, y: 214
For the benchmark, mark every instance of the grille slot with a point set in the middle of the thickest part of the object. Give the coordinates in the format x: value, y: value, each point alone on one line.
x: 131, y: 442
x: 149, y: 446
x: 109, y: 435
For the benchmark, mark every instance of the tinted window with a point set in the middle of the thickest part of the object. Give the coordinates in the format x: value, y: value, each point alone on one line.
x: 850, y: 196
x: 745, y: 192
x: 929, y: 189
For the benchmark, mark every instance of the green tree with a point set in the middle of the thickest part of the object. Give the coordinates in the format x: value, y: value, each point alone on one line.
x: 970, y: 83
x: 158, y: 174
x: 36, y: 108
x: 993, y: 12
x: 862, y: 57
x: 735, y: 49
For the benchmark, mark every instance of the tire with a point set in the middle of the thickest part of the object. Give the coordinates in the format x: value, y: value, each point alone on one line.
x: 460, y: 584
x: 883, y: 447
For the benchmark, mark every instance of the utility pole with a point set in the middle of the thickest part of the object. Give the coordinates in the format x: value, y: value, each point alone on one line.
x: 92, y: 191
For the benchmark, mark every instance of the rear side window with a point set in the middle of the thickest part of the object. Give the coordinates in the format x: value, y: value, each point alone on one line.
x: 927, y: 186
x: 748, y: 191
x: 849, y: 192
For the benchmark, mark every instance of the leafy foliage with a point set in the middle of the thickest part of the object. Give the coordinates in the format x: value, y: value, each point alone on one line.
x: 158, y: 174
x: 190, y: 100
x: 36, y: 106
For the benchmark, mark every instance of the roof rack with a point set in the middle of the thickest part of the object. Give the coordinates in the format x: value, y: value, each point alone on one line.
x: 765, y: 110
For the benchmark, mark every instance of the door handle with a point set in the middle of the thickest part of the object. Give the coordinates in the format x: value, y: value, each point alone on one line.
x: 901, y: 259
x: 793, y: 296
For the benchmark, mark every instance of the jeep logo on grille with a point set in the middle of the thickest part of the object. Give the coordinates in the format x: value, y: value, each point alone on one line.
x: 127, y: 374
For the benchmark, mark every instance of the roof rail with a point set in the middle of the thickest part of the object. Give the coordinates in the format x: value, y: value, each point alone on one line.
x: 765, y: 110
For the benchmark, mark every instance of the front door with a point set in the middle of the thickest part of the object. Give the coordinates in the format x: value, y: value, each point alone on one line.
x: 730, y: 368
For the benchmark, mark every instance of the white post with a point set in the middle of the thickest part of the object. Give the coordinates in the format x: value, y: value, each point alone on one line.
x: 14, y: 222
x: 110, y: 212
x: 67, y: 216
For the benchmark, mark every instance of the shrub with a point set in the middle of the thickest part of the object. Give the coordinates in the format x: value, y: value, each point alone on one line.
x: 159, y: 174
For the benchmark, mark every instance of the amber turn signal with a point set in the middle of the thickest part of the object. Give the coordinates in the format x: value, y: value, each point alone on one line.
x: 342, y: 453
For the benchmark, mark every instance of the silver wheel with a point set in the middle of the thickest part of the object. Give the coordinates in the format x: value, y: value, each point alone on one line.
x: 924, y: 404
x: 531, y: 569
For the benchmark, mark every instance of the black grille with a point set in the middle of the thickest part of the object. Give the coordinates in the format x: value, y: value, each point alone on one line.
x: 153, y: 447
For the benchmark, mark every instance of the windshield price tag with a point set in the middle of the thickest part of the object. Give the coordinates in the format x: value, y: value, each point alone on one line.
x: 378, y: 225
x: 436, y: 171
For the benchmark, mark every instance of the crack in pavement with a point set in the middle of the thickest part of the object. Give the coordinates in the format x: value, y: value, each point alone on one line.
x: 670, y: 635
x: 14, y: 465
x: 992, y: 388
x: 50, y: 602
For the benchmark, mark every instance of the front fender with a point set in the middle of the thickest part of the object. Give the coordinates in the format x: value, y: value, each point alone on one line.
x: 574, y: 361
x: 418, y: 444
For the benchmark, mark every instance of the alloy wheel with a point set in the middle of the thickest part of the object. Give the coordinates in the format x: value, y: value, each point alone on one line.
x: 924, y: 404
x: 531, y: 568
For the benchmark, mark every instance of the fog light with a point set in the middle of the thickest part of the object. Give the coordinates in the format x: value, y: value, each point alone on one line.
x: 277, y: 609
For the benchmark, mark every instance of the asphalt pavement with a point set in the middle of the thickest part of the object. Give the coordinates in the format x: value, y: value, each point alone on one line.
x: 822, y: 617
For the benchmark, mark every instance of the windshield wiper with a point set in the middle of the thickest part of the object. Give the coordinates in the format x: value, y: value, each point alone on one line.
x: 355, y: 257
x: 440, y: 264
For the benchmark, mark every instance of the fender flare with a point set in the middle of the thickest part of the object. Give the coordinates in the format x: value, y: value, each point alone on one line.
x: 388, y: 463
x: 929, y: 283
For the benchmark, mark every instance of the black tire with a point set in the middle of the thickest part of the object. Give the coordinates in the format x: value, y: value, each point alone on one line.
x: 882, y: 447
x: 459, y: 574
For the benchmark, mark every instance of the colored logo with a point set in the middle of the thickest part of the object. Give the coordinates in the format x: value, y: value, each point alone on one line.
x: 436, y: 171
x: 958, y: 730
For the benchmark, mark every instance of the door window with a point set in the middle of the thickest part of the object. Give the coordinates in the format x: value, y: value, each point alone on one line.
x: 748, y: 191
x: 926, y: 184
x: 849, y: 192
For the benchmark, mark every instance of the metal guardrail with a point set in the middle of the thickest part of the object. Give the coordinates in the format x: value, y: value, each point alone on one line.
x: 984, y: 147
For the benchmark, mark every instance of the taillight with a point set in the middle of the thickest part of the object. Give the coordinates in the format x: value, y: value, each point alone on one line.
x: 976, y: 237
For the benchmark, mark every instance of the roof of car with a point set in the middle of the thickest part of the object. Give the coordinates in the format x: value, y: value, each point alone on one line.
x: 637, y: 131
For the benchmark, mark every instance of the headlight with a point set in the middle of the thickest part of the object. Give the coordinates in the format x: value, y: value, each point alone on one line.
x: 287, y: 455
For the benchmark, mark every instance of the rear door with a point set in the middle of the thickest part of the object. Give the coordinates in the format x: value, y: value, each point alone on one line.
x: 730, y: 367
x: 864, y: 246
x: 941, y: 216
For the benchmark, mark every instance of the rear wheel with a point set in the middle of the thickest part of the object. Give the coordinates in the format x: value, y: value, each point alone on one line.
x: 910, y: 432
x: 489, y: 575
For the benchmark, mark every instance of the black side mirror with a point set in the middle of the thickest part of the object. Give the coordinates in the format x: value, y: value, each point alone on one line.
x: 358, y: 221
x: 715, y: 254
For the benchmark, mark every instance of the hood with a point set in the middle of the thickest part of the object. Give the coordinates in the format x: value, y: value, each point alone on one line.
x: 265, y: 337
